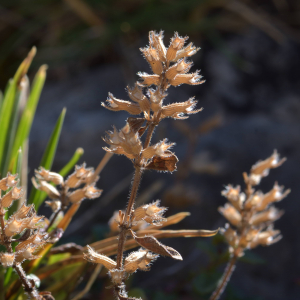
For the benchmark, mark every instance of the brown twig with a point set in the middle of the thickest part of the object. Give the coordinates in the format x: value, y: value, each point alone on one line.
x: 226, y: 276
x: 124, y: 225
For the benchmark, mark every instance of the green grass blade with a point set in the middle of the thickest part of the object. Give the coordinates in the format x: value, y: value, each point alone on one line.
x: 29, y: 112
x: 36, y: 196
x: 5, y: 117
x: 17, y: 169
x: 73, y: 161
x: 20, y: 100
x: 1, y: 99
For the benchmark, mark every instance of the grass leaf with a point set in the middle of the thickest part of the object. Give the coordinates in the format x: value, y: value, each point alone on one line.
x: 36, y: 197
x: 29, y: 112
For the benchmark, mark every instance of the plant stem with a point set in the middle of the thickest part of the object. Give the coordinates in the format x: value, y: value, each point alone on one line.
x: 149, y: 135
x: 124, y: 227
x: 28, y: 286
x: 101, y: 165
x: 225, y: 278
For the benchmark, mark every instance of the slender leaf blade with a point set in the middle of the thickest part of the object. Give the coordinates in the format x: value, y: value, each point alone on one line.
x: 29, y: 111
x: 36, y: 196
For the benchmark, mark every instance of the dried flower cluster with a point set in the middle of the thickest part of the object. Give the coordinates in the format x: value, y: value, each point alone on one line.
x: 22, y: 228
x: 78, y: 186
x: 170, y: 67
x: 25, y: 234
x: 251, y: 215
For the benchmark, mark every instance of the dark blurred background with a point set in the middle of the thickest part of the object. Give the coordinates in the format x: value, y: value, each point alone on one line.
x: 250, y: 60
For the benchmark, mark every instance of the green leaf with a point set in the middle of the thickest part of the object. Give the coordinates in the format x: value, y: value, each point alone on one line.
x: 5, y: 117
x: 29, y: 112
x: 73, y: 161
x: 17, y: 169
x: 20, y: 100
x: 36, y: 196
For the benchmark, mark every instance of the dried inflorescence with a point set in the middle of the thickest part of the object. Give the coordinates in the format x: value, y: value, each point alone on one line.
x: 251, y: 214
x: 170, y: 67
x: 77, y: 187
x: 22, y: 228
x: 26, y: 229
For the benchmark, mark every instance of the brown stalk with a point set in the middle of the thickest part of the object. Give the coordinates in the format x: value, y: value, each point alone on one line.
x: 125, y: 226
x: 226, y: 277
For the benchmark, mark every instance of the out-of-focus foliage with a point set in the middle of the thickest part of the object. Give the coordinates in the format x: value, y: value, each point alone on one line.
x: 80, y: 33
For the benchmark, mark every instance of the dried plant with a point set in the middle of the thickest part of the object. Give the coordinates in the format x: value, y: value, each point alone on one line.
x: 29, y: 239
x: 252, y: 215
x: 170, y: 67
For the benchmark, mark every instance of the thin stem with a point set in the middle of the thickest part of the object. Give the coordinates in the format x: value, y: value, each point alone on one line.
x: 101, y: 165
x: 28, y: 286
x: 53, y: 218
x: 90, y: 283
x: 124, y: 226
x: 226, y: 276
x: 134, y: 189
x: 149, y: 135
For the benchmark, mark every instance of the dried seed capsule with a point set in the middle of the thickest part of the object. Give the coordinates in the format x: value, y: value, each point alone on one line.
x: 156, y: 41
x: 234, y: 195
x: 117, y: 276
x: 180, y: 110
x: 8, y: 181
x: 14, y: 226
x: 270, y: 215
x: 7, y: 259
x: 176, y: 44
x: 231, y: 214
x: 139, y: 260
x: 92, y: 256
x: 149, y: 79
x: 43, y: 174
x: 14, y: 194
x: 150, y: 213
x: 55, y: 205
x: 89, y: 192
x: 46, y: 187
x: 159, y: 149
x: 153, y: 59
x: 115, y: 104
x: 79, y: 176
